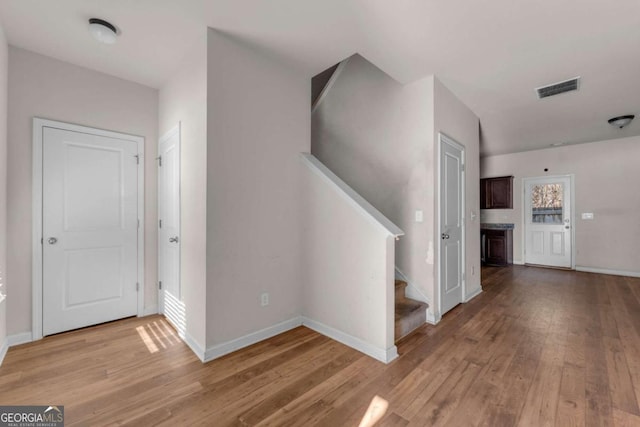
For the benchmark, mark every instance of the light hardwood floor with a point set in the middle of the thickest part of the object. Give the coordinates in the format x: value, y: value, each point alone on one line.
x: 537, y: 347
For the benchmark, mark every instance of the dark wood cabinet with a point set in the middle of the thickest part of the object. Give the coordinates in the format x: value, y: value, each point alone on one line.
x: 496, y: 193
x: 497, y: 247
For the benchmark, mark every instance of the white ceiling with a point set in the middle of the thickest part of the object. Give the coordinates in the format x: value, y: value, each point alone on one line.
x: 491, y: 54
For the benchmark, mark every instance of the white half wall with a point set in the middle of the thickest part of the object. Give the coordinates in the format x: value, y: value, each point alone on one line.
x: 348, y: 270
x: 40, y: 86
x: 606, y: 174
x: 183, y: 99
x: 257, y: 124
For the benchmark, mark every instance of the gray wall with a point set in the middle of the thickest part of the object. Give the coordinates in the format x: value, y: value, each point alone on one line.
x: 258, y: 123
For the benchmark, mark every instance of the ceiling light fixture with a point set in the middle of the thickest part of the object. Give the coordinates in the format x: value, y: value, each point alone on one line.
x: 103, y: 31
x: 621, y: 121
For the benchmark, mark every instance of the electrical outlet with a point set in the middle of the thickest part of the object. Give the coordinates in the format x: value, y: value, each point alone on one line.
x: 264, y: 299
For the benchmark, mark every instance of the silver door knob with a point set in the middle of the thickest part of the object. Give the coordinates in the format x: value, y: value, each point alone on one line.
x: 445, y: 236
x: 52, y: 240
x: 173, y: 239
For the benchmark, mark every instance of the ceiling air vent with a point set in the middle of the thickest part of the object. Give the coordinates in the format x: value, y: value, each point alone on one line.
x: 558, y: 88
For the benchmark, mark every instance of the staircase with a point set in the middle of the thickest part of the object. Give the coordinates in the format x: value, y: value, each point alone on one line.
x: 410, y: 314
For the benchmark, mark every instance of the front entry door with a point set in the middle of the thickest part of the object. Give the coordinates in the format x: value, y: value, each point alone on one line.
x: 90, y: 229
x: 451, y: 227
x: 169, y: 226
x: 548, y: 228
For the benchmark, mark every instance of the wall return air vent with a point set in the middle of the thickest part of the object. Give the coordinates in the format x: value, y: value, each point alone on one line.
x: 558, y: 88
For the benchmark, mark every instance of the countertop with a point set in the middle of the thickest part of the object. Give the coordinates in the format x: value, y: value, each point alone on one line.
x: 498, y: 226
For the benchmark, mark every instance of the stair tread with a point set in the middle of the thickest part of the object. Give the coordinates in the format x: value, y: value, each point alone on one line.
x: 400, y: 287
x: 409, y: 315
x: 408, y: 306
x: 401, y: 283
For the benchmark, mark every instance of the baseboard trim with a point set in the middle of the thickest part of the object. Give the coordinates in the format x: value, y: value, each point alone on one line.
x: 148, y: 311
x: 188, y: 340
x: 220, y: 350
x: 194, y: 346
x: 607, y: 271
x: 473, y: 294
x: 432, y: 319
x: 17, y: 339
x: 13, y: 340
x: 518, y: 262
x: 383, y: 355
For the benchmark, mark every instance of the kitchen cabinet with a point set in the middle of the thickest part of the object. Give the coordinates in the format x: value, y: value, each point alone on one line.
x: 497, y: 246
x: 496, y: 193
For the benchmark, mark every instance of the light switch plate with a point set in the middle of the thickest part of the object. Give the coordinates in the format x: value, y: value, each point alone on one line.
x: 587, y: 215
x: 419, y: 216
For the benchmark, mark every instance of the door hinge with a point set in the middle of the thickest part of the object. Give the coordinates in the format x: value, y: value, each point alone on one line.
x: 462, y: 167
x: 137, y: 156
x: 138, y: 223
x: 464, y: 276
x: 159, y: 223
x: 160, y: 284
x: 42, y: 240
x: 137, y: 287
x: 159, y: 158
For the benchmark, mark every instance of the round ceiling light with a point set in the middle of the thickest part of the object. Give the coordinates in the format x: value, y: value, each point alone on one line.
x: 103, y: 31
x: 621, y: 121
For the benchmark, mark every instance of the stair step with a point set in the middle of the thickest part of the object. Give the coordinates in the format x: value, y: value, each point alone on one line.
x: 410, y: 315
x: 400, y: 287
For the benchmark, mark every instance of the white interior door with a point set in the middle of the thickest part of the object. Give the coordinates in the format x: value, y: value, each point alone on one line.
x: 548, y: 228
x: 90, y: 229
x: 451, y: 223
x: 169, y: 226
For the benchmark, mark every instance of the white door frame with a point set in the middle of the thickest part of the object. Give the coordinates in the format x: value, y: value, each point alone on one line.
x: 37, y: 249
x: 445, y: 139
x: 573, y: 214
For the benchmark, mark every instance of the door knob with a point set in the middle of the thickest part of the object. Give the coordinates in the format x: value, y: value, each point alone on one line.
x: 445, y: 236
x: 173, y: 239
x: 52, y: 240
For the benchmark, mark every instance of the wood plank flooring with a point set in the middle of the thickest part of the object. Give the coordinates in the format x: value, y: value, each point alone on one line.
x: 538, y: 347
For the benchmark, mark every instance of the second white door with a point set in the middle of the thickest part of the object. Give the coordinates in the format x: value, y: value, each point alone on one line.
x: 169, y: 226
x: 548, y: 228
